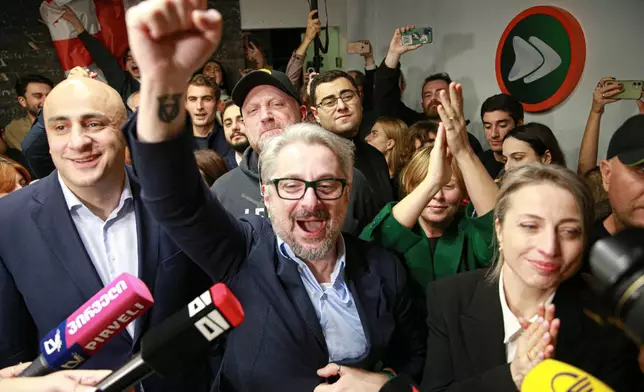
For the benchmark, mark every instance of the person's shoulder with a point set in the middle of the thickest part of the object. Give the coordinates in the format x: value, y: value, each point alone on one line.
x: 19, y: 203
x: 228, y: 177
x: 460, y: 287
x: 18, y: 123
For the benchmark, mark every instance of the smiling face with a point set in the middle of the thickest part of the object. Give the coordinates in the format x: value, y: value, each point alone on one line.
x: 541, y: 236
x: 34, y: 98
x: 442, y: 208
x: 309, y: 226
x: 344, y: 118
x: 201, y: 103
x: 131, y: 66
x: 234, y: 128
x: 83, y: 119
x: 497, y: 124
x: 267, y: 110
x: 213, y: 70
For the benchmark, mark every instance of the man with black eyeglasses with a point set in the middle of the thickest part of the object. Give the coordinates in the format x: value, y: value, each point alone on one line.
x: 269, y: 103
x: 337, y: 107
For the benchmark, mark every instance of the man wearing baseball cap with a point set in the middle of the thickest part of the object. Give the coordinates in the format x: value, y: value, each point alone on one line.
x: 623, y: 178
x: 269, y: 103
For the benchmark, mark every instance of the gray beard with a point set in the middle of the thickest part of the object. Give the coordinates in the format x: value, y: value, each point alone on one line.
x: 303, y: 252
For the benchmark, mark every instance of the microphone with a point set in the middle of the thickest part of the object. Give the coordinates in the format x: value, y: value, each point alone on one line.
x: 555, y: 376
x: 181, y: 336
x: 400, y: 383
x: 91, y: 326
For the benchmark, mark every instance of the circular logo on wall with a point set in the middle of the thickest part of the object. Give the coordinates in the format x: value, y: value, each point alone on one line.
x: 540, y: 57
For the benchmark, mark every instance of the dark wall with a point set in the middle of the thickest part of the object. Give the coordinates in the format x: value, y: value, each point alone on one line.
x: 20, y: 28
x: 26, y: 47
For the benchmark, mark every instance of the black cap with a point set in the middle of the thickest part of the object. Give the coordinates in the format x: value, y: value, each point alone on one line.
x: 627, y: 143
x: 262, y: 77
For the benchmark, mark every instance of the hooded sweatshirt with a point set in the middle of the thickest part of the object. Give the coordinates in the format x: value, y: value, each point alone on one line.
x: 239, y: 192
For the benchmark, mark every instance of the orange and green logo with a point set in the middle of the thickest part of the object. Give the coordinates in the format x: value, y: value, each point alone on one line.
x: 540, y: 57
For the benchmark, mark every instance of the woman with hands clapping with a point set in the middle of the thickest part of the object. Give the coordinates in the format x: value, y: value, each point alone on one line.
x: 489, y: 328
x: 430, y: 227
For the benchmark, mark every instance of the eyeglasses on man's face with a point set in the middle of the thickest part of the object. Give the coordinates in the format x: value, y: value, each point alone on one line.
x: 347, y: 96
x: 295, y: 189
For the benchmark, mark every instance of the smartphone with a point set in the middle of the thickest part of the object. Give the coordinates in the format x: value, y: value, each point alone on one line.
x: 357, y: 47
x: 632, y: 89
x: 421, y: 35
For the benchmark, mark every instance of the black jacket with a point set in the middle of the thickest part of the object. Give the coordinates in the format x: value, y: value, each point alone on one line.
x: 386, y: 101
x: 119, y: 79
x: 465, y: 343
x: 373, y: 165
x: 280, y: 344
x: 238, y: 191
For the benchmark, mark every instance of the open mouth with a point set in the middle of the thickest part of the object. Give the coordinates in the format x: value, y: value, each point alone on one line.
x: 311, y: 227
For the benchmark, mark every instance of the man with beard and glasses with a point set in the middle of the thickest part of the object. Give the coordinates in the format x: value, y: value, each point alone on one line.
x: 269, y: 103
x: 387, y: 95
x: 234, y: 130
x: 319, y: 306
x: 202, y: 99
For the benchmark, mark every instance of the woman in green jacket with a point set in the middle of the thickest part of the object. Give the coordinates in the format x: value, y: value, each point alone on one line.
x: 429, y: 227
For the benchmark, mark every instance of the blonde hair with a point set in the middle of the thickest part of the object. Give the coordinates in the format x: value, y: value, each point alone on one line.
x: 416, y: 171
x: 402, y: 151
x: 535, y: 174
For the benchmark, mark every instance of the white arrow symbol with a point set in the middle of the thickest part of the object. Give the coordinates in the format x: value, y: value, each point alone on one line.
x: 533, y: 60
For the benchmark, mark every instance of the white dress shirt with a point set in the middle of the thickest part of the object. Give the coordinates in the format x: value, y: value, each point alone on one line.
x: 111, y: 244
x: 511, y: 325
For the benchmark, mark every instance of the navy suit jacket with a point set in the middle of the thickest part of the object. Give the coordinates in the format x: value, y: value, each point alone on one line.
x: 280, y: 344
x: 46, y: 274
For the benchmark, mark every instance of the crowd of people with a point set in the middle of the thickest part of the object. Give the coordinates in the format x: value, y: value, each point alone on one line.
x: 365, y: 241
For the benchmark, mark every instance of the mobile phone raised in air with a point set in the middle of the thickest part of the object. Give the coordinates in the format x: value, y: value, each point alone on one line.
x: 357, y: 47
x: 632, y: 89
x: 420, y: 35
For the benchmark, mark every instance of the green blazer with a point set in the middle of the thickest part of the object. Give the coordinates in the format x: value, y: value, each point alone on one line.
x: 465, y: 245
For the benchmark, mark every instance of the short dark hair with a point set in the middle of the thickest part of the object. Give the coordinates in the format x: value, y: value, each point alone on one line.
x: 541, y: 139
x: 505, y: 103
x: 328, y: 77
x: 23, y: 82
x: 205, y: 81
x: 227, y: 103
x: 444, y: 76
x: 360, y: 79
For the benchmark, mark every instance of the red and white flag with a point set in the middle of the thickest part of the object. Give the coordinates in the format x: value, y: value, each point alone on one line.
x: 103, y: 19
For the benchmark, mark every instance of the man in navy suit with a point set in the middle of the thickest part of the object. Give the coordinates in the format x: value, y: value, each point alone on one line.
x: 65, y: 237
x: 319, y: 306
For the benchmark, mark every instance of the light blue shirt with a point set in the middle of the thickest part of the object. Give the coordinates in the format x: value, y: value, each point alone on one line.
x: 111, y: 244
x: 334, y: 306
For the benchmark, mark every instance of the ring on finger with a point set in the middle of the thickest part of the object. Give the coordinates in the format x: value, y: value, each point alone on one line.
x: 603, y: 96
x: 339, y: 370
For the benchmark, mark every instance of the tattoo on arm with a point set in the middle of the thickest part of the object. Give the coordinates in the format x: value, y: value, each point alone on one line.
x: 169, y: 107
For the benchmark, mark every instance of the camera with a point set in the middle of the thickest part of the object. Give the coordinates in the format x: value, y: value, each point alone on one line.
x: 617, y: 265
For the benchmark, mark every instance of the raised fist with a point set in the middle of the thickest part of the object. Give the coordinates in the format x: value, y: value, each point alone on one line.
x: 172, y: 38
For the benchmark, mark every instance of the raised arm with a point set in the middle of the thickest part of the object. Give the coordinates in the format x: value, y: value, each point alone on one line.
x: 104, y: 59
x: 408, y: 210
x: 296, y: 63
x: 480, y: 186
x: 170, y: 40
x: 590, y: 140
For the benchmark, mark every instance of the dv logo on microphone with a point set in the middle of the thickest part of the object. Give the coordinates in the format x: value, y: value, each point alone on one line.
x: 211, y: 325
x: 540, y: 57
x: 54, y: 344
